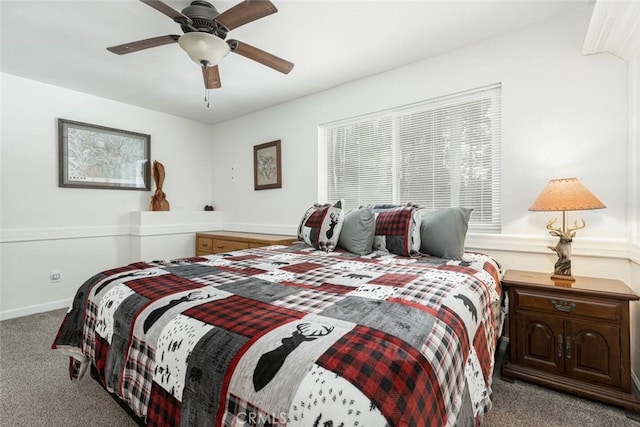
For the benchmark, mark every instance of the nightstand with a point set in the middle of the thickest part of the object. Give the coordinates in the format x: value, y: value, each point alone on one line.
x: 571, y: 336
x: 214, y: 242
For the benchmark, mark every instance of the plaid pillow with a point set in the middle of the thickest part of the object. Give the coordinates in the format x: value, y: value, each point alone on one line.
x: 320, y: 226
x: 398, y: 228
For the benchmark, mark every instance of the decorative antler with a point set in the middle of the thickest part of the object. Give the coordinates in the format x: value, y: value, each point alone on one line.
x: 550, y: 226
x: 576, y: 226
x: 308, y: 331
x: 570, y: 232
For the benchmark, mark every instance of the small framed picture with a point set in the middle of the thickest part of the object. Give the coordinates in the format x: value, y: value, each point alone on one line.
x: 267, y: 166
x: 92, y: 156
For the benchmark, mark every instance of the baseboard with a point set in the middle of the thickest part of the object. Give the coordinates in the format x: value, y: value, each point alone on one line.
x: 34, y: 309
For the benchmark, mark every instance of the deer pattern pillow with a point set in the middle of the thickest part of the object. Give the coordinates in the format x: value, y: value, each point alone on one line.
x: 320, y: 226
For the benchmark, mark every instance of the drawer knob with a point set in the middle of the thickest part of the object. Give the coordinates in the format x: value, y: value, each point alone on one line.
x: 563, y: 306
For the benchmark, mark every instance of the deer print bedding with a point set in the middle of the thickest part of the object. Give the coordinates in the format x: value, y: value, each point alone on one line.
x: 291, y: 335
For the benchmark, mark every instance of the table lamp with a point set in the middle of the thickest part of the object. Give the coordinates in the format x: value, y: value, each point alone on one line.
x: 566, y: 194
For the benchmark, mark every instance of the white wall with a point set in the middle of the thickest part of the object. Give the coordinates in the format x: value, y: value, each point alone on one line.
x: 81, y: 231
x: 563, y: 115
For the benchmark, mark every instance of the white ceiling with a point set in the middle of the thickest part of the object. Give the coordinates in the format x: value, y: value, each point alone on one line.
x: 63, y: 43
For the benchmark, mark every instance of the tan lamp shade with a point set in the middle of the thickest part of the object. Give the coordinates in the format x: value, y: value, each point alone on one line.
x: 566, y: 194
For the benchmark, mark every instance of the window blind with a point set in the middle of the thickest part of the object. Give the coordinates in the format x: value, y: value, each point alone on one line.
x: 437, y: 153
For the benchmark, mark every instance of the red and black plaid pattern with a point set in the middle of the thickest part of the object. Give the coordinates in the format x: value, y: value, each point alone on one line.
x: 458, y: 269
x: 316, y: 256
x: 456, y: 324
x: 221, y: 277
x: 318, y: 276
x: 156, y: 287
x: 137, y: 377
x: 394, y: 222
x: 334, y: 289
x: 395, y: 280
x: 316, y: 218
x: 131, y: 267
x: 101, y: 352
x: 407, y: 268
x: 443, y: 347
x: 244, y: 257
x: 325, y: 287
x: 88, y: 330
x: 394, y: 375
x: 485, y: 308
x: 397, y: 225
x: 164, y: 409
x: 301, y: 267
x: 245, y: 271
x: 425, y: 291
x: 492, y: 270
x: 482, y: 351
x: 242, y: 316
x: 308, y: 301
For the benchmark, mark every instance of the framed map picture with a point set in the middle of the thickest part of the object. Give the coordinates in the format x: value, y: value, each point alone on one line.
x: 267, y: 168
x: 92, y: 156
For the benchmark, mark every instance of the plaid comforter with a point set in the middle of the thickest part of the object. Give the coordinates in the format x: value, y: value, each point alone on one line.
x: 288, y: 335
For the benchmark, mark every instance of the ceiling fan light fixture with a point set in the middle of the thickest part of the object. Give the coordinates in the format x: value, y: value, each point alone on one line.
x: 204, y: 48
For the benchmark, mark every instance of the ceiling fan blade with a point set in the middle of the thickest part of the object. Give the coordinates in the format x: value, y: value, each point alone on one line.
x: 260, y: 56
x: 169, y: 11
x: 143, y: 44
x: 244, y: 12
x: 211, y: 77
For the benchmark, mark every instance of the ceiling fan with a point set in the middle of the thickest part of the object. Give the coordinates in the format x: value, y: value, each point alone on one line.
x: 205, y: 31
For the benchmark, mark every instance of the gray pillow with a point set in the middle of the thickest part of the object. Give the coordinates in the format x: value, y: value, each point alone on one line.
x: 358, y: 230
x: 443, y: 231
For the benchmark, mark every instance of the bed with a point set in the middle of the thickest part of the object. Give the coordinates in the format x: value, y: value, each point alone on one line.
x: 292, y: 335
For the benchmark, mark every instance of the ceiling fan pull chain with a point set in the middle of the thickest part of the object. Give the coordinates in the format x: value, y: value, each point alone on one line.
x: 207, y: 98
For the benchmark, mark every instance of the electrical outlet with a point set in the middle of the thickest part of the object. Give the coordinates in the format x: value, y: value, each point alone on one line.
x: 233, y: 174
x: 55, y: 276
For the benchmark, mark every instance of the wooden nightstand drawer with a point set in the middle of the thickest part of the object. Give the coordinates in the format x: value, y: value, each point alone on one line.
x: 555, y: 303
x: 220, y: 245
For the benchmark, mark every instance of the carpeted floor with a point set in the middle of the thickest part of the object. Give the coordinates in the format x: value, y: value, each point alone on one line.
x: 35, y: 390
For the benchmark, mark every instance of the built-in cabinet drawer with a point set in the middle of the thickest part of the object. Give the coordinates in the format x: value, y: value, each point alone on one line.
x: 204, y: 245
x: 208, y: 243
x: 220, y: 246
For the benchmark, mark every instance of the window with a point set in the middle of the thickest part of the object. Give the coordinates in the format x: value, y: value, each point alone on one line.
x: 437, y: 153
